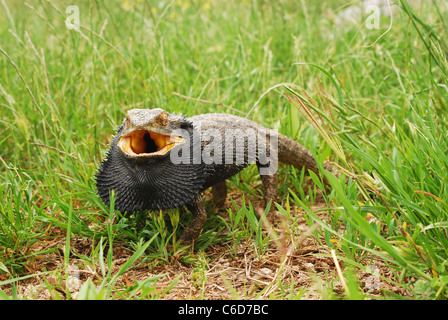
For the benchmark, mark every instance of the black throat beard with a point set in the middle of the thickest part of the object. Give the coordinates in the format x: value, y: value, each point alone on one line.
x: 152, y: 183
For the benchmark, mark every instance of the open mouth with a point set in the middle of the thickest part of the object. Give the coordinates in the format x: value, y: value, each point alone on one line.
x: 148, y: 143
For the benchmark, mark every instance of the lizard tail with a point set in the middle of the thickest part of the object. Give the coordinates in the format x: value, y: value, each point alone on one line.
x: 292, y: 153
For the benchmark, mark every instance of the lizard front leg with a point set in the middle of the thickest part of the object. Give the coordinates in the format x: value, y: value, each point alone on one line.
x: 192, y: 231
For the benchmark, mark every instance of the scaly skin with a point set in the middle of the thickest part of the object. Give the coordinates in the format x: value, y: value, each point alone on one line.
x: 139, y: 165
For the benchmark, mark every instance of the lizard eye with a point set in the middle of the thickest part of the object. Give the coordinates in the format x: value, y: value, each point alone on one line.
x: 148, y: 143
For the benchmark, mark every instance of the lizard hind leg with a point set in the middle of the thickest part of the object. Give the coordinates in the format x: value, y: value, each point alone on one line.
x: 270, y: 194
x: 219, y: 192
x: 270, y: 186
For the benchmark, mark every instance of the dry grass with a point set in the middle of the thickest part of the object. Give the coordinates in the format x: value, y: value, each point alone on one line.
x: 284, y: 272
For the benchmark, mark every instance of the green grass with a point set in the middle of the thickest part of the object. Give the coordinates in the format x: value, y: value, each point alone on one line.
x: 379, y: 112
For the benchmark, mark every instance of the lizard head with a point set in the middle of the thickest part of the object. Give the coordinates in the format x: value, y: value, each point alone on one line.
x: 138, y: 166
x: 149, y: 133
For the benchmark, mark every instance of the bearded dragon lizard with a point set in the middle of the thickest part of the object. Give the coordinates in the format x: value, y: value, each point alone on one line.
x: 159, y: 161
